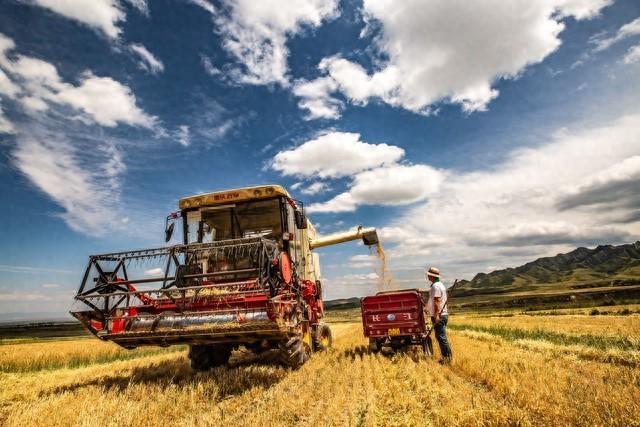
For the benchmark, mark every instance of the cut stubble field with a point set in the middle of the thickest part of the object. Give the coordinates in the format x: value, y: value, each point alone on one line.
x: 506, y: 371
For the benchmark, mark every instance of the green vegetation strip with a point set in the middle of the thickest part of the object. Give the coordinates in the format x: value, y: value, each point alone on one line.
x: 83, y: 361
x: 33, y: 340
x: 600, y: 342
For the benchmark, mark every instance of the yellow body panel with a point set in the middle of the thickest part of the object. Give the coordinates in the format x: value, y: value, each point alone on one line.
x: 230, y: 196
x: 306, y: 239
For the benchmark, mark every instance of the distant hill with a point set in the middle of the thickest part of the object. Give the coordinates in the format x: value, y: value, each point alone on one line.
x: 343, y: 303
x: 579, y: 265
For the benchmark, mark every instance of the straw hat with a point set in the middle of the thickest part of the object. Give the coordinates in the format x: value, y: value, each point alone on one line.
x: 433, y: 272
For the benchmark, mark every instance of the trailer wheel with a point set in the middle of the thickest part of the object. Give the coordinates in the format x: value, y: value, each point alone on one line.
x: 293, y: 353
x: 205, y: 357
x: 374, y: 345
x: 427, y: 346
x: 323, y: 338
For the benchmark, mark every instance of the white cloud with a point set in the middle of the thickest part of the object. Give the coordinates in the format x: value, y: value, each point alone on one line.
x: 545, y: 233
x: 581, y: 9
x: 355, y: 279
x: 89, y: 194
x: 208, y: 66
x: 7, y: 87
x: 81, y: 172
x: 204, y: 4
x: 183, y: 136
x: 105, y: 100
x: 316, y: 188
x: 343, y: 202
x: 22, y: 297
x: 611, y: 188
x: 443, y: 51
x: 255, y: 33
x: 633, y: 55
x: 531, y: 200
x: 5, y: 124
x: 98, y: 99
x: 154, y: 272
x: 30, y: 270
x: 377, y: 178
x: 103, y: 15
x: 33, y: 104
x: 624, y: 32
x: 529, y: 205
x: 389, y: 185
x: 363, y: 261
x: 333, y: 155
x: 140, y: 5
x: 409, y: 241
x: 316, y: 99
x: 148, y: 61
x: 50, y: 285
x: 396, y: 184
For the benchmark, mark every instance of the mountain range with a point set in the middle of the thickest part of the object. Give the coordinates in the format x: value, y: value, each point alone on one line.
x: 579, y: 265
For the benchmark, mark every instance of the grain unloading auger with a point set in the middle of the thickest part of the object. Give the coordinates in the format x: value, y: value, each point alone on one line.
x: 245, y: 274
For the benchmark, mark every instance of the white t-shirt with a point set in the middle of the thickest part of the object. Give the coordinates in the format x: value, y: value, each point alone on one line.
x: 437, y: 290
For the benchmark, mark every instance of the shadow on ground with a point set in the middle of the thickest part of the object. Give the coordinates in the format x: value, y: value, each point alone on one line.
x: 245, y: 371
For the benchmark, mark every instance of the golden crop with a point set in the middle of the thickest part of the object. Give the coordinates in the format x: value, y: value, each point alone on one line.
x: 573, y: 324
x: 67, y: 353
x: 494, y: 380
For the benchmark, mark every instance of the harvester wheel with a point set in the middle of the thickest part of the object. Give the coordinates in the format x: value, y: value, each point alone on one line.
x: 374, y: 345
x: 205, y: 357
x: 427, y: 346
x: 293, y: 353
x: 323, y: 339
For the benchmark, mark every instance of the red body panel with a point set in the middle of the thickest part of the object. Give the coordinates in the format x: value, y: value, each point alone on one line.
x: 393, y: 314
x: 252, y: 299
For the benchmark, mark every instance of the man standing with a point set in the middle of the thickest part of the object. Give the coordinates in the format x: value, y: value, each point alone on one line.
x: 437, y: 307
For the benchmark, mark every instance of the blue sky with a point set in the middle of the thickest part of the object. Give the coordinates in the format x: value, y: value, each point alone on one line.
x: 473, y: 136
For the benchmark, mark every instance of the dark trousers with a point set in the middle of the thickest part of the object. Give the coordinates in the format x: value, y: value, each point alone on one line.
x: 441, y: 336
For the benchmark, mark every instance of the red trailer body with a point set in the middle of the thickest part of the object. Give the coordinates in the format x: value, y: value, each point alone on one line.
x: 396, y: 319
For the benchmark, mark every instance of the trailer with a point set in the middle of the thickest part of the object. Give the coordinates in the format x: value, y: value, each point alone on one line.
x: 396, y: 320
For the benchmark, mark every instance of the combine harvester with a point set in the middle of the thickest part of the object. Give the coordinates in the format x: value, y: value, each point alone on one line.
x: 245, y: 274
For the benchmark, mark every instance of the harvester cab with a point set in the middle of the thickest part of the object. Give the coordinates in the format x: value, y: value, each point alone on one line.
x: 244, y: 274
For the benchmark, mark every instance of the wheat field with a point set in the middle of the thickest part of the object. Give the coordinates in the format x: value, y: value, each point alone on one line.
x: 497, y: 378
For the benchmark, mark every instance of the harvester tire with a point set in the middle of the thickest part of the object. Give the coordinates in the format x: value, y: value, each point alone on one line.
x: 374, y: 345
x: 427, y: 346
x: 293, y: 353
x: 322, y: 339
x: 205, y: 357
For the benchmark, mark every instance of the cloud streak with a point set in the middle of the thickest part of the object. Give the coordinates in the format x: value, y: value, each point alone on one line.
x: 56, y: 144
x: 148, y: 61
x: 88, y: 195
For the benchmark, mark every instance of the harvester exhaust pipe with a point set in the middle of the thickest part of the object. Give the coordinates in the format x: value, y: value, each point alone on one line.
x: 368, y: 235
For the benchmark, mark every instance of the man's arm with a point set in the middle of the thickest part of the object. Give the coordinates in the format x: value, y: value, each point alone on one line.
x: 437, y: 308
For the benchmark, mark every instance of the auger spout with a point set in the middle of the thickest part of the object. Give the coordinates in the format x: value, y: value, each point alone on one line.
x: 368, y: 235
